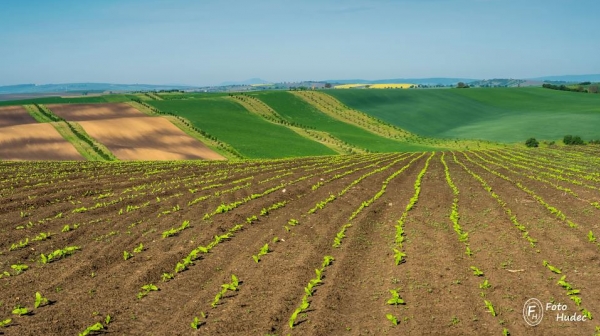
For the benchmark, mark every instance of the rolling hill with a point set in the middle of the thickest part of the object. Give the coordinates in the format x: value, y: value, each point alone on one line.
x: 496, y: 114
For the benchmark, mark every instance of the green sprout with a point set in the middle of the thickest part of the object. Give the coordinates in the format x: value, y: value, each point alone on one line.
x: 93, y: 328
x: 395, y: 300
x: 40, y: 300
x: 392, y: 319
x: 476, y: 271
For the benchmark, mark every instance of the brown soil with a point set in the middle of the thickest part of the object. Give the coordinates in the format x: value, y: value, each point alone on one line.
x: 23, y: 138
x: 442, y: 295
x: 131, y: 135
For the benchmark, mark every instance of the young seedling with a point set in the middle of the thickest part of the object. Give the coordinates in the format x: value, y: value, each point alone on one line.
x: 20, y: 311
x: 40, y: 300
x: 20, y: 244
x: 107, y: 319
x: 395, y: 300
x: 552, y: 268
x: 19, y: 268
x: 127, y: 255
x: 292, y: 222
x: 505, y: 332
x: 58, y: 254
x: 93, y: 328
x: 398, y: 256
x: 174, y: 231
x: 5, y: 323
x: 234, y: 283
x: 468, y: 251
x: 264, y: 250
x: 564, y: 284
x: 139, y: 249
x: 476, y: 271
x: 586, y: 313
x: 196, y: 323
x: 42, y: 236
x: 485, y: 284
x: 392, y: 319
x: 167, y: 276
x: 327, y: 260
x: 303, y: 306
x: 591, y: 237
x: 490, y: 307
x: 146, y: 289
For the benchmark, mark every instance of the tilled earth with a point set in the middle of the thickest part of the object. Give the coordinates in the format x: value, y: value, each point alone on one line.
x: 107, y: 209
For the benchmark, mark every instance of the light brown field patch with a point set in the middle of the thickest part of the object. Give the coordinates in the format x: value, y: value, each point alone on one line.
x: 15, y: 115
x: 131, y: 135
x: 35, y: 142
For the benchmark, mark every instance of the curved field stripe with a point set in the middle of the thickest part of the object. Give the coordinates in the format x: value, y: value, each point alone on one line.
x: 265, y: 111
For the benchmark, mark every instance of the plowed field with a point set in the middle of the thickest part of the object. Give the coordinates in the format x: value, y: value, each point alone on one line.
x: 131, y: 135
x: 440, y: 243
x: 23, y: 138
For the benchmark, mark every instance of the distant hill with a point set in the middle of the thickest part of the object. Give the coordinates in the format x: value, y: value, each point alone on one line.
x: 246, y: 82
x: 86, y: 87
x: 422, y: 81
x: 570, y: 78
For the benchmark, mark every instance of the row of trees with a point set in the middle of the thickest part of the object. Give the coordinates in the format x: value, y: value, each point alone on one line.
x: 568, y: 140
x: 579, y: 88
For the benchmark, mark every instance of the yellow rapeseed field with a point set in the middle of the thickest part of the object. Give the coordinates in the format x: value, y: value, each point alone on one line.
x: 391, y: 86
x: 348, y: 86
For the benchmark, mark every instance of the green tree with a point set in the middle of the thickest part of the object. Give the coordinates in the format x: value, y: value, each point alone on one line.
x: 573, y: 140
x: 532, y: 142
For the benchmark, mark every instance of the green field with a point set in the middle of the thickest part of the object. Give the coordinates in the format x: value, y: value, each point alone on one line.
x: 251, y: 135
x: 296, y: 110
x: 496, y: 114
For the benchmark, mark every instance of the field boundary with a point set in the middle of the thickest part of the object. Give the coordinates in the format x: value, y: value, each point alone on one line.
x: 71, y: 131
x: 186, y: 126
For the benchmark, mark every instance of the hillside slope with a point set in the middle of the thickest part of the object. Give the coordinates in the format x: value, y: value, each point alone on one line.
x: 295, y: 109
x: 248, y: 133
x: 496, y: 114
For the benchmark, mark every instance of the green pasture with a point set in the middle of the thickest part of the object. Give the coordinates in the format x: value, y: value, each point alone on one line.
x: 496, y: 114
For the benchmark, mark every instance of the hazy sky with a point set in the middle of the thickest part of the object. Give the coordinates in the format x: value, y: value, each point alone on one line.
x: 205, y: 42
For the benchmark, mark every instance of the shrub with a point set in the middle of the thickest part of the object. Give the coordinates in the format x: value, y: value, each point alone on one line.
x: 572, y: 140
x: 532, y: 142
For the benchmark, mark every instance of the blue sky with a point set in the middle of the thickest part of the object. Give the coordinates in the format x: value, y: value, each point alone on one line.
x: 205, y: 42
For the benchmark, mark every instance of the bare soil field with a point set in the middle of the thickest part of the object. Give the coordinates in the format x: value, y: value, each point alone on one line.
x: 415, y: 243
x: 131, y: 135
x: 23, y: 138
